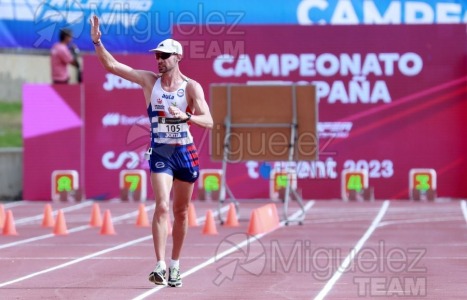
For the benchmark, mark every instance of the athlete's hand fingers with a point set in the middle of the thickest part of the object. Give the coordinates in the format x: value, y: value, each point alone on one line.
x: 95, y: 32
x: 174, y: 110
x: 95, y: 21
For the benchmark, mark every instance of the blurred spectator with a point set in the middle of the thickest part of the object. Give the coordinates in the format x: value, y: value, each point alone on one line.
x: 62, y: 54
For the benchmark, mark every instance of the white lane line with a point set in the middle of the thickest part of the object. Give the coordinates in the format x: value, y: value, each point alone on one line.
x: 464, y: 209
x: 12, y: 204
x: 78, y: 260
x: 424, y: 220
x: 72, y: 230
x: 75, y: 261
x: 225, y: 253
x: 336, y: 220
x: 41, y: 216
x: 73, y: 257
x: 239, y: 256
x: 346, y: 263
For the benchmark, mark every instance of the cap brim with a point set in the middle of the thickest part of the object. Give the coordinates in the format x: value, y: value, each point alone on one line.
x: 160, y: 50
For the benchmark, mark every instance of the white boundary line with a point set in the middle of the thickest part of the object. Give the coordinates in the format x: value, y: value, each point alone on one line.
x: 92, y: 255
x: 225, y: 253
x: 75, y: 261
x: 76, y: 229
x: 65, y: 209
x: 12, y: 204
x: 414, y: 221
x: 345, y: 264
x: 464, y: 209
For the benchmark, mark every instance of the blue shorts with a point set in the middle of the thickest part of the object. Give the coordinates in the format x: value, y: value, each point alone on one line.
x: 180, y: 161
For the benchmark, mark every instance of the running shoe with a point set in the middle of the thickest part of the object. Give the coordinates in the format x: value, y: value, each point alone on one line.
x: 158, y: 276
x: 174, y: 277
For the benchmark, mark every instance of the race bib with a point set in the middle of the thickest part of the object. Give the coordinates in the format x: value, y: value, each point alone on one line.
x: 172, y: 128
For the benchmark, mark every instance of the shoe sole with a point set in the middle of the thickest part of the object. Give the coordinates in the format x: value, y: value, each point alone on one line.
x: 177, y: 284
x: 152, y: 278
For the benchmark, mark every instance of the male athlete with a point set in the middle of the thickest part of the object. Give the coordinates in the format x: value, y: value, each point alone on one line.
x: 172, y: 100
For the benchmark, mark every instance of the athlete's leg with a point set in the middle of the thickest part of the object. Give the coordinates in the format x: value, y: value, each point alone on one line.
x: 161, y: 185
x: 182, y: 192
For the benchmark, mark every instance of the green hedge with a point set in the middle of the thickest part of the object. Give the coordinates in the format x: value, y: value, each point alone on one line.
x: 10, y: 124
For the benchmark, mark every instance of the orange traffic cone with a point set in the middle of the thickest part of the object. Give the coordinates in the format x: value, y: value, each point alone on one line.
x: 96, y: 218
x: 254, y: 227
x: 107, y: 226
x: 192, y: 221
x: 2, y: 215
x: 210, y: 224
x: 9, y: 227
x: 60, y: 224
x: 232, y: 220
x: 142, y: 219
x: 48, y: 219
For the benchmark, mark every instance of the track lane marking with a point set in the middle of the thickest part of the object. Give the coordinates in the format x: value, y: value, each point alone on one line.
x: 75, y: 229
x: 75, y: 261
x: 12, y: 204
x: 414, y: 221
x: 54, y: 212
x: 95, y: 254
x: 349, y: 258
x: 464, y: 209
x: 225, y: 253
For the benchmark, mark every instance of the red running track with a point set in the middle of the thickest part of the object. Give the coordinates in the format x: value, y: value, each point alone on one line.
x: 343, y: 250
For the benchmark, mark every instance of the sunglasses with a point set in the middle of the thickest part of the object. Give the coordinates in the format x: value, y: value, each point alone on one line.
x: 163, y: 55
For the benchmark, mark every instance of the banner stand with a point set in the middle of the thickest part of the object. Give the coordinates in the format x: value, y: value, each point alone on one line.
x: 249, y: 121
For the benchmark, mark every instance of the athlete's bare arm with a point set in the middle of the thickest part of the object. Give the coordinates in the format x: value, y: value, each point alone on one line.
x: 145, y: 79
x: 199, y: 105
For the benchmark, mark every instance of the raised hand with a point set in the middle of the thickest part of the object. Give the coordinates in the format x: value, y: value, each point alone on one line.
x: 95, y: 32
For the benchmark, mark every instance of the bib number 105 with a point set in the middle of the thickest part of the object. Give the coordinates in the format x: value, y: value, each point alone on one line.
x: 375, y: 168
x: 173, y: 128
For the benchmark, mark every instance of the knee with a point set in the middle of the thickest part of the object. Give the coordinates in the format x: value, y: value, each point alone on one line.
x: 181, y: 213
x: 162, y: 210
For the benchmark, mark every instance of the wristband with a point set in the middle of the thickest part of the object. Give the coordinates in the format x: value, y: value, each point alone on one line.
x: 98, y: 43
x: 188, y: 116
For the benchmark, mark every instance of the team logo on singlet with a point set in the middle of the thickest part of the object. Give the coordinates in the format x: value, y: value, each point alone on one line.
x: 169, y: 97
x: 180, y: 92
x: 159, y: 105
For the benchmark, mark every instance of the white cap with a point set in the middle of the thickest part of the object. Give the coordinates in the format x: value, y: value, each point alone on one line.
x: 169, y: 46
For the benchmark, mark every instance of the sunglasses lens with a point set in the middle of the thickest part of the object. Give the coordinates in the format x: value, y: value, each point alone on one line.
x: 163, y: 55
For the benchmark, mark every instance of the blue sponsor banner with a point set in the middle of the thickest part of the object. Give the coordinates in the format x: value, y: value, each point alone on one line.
x: 138, y: 25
